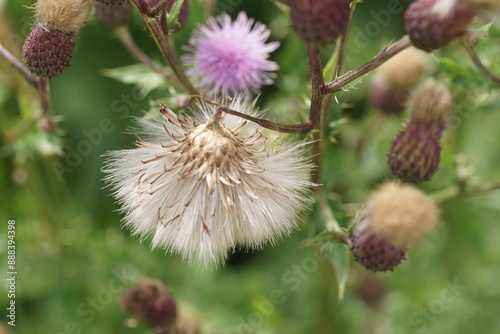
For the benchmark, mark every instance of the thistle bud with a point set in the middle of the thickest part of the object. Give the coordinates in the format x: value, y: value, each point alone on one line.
x: 319, y: 21
x: 150, y: 301
x: 48, y: 48
x: 395, y: 216
x: 112, y: 16
x: 432, y: 24
x: 47, y: 53
x: 393, y: 80
x: 415, y: 154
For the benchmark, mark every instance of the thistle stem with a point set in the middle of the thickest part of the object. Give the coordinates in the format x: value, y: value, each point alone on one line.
x: 148, y: 11
x: 456, y: 190
x: 127, y: 41
x: 43, y: 88
x: 163, y: 43
x: 317, y: 81
x: 275, y: 126
x: 25, y: 72
x: 469, y: 46
x: 382, y: 57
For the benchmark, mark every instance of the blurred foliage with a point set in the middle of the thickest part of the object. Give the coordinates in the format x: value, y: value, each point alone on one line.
x: 73, y: 258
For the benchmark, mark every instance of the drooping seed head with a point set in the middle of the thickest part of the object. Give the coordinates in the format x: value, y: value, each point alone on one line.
x: 204, y: 185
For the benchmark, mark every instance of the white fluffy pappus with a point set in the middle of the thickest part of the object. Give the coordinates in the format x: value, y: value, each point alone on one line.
x: 204, y: 185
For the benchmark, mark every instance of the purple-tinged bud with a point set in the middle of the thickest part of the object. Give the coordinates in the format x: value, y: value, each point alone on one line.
x: 112, y: 16
x: 393, y: 81
x: 48, y: 53
x: 319, y: 21
x: 415, y: 154
x: 374, y: 252
x: 432, y: 24
x: 150, y: 301
x: 395, y: 216
x: 388, y: 99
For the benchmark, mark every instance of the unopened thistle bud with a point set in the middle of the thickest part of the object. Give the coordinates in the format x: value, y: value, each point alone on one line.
x: 432, y: 24
x: 395, y: 216
x: 415, y: 154
x: 112, y: 16
x: 48, y: 48
x: 319, y: 21
x: 150, y: 301
x: 394, y: 80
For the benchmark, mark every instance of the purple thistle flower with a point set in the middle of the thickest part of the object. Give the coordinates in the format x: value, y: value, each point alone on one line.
x: 231, y: 57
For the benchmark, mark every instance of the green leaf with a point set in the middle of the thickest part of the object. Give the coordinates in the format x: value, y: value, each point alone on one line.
x: 339, y: 255
x: 355, y: 83
x: 139, y: 75
x: 173, y: 14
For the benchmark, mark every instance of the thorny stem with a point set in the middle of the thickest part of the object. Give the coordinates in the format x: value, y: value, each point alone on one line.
x: 469, y: 45
x: 163, y: 43
x: 148, y: 11
x: 317, y: 81
x: 382, y: 57
x: 127, y: 41
x: 18, y: 65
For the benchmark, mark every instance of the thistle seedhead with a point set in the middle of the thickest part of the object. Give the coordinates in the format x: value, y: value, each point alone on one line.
x: 66, y: 16
x: 112, y: 16
x: 319, y: 21
x: 48, y: 53
x: 432, y: 24
x: 206, y: 184
x: 395, y: 216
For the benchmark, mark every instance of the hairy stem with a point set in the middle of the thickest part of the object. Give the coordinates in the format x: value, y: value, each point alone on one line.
x: 25, y: 72
x: 127, y: 41
x: 469, y: 45
x: 382, y: 57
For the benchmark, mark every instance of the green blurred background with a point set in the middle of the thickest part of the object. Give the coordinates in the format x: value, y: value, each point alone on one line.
x: 73, y: 258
